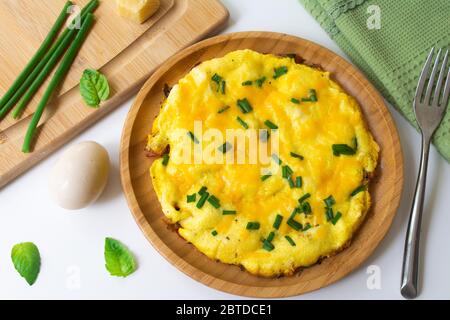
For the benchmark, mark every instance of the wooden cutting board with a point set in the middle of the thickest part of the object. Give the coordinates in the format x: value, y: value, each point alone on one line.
x: 127, y: 53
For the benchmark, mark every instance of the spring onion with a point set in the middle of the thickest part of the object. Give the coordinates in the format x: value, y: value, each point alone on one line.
x: 289, y: 239
x: 278, y: 72
x: 242, y: 122
x: 277, y: 222
x: 202, y: 200
x: 244, y: 105
x: 253, y: 225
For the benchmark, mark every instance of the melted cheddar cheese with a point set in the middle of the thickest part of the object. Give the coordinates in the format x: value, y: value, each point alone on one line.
x: 308, y: 129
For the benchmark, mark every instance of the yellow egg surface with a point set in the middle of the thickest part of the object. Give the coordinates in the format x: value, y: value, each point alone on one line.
x: 300, y: 203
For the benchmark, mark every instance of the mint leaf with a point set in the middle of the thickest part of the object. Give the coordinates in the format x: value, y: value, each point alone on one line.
x: 94, y: 88
x: 119, y: 261
x: 27, y: 261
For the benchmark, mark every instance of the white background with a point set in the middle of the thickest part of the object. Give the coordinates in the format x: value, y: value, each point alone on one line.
x: 72, y: 243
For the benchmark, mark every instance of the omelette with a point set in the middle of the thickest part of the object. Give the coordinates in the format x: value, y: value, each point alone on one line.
x: 300, y: 203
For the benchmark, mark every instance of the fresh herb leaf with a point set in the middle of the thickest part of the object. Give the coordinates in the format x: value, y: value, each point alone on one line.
x: 191, y: 198
x: 291, y: 182
x: 202, y: 200
x: 202, y: 190
x: 277, y: 222
x: 304, y: 197
x: 216, y: 78
x: 270, y: 236
x: 306, y: 207
x: 244, y: 105
x: 342, y: 149
x: 298, y: 182
x: 260, y: 81
x: 294, y: 224
x: 94, y: 88
x: 329, y: 213
x: 119, y: 261
x: 289, y: 239
x: 329, y: 202
x: 278, y: 72
x: 336, y: 218
x: 214, y: 201
x: 27, y: 261
x: 221, y: 83
x: 242, y: 123
x: 268, y: 246
x: 253, y: 225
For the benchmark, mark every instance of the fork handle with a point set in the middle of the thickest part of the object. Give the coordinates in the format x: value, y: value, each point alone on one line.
x: 410, y: 268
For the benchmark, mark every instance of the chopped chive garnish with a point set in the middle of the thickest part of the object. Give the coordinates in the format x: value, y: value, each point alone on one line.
x: 342, y: 149
x: 276, y: 159
x: 214, y: 233
x: 220, y: 83
x: 265, y: 177
x: 223, y: 109
x: 294, y: 224
x: 291, y: 182
x: 306, y: 207
x: 277, y: 222
x: 304, y: 197
x: 358, y: 190
x: 298, y: 182
x: 270, y: 236
x: 271, y: 125
x: 355, y: 143
x: 296, y: 101
x: 165, y: 161
x: 306, y: 99
x: 307, y: 227
x: 242, y: 122
x: 294, y: 213
x: 191, y: 197
x: 253, y: 226
x: 264, y: 135
x: 225, y: 147
x: 289, y: 239
x: 193, y: 137
x: 244, y: 105
x: 287, y: 171
x: 228, y: 212
x: 222, y: 86
x: 284, y: 172
x: 278, y: 72
x: 247, y: 83
x: 260, y: 81
x: 202, y: 190
x: 214, y: 201
x: 329, y: 213
x: 336, y: 218
x: 216, y: 78
x: 202, y: 200
x: 329, y: 202
x: 296, y: 155
x: 313, y: 95
x: 268, y: 246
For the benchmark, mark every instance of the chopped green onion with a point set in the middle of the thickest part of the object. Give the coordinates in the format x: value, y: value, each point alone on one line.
x: 253, y: 225
x: 294, y: 213
x: 244, y: 105
x: 214, y: 233
x: 271, y: 125
x: 265, y: 177
x: 306, y: 99
x: 286, y: 171
x: 289, y: 239
x: 355, y: 143
x: 193, y: 137
x: 228, y: 212
x: 220, y: 83
x: 268, y: 246
x: 291, y: 182
x: 313, y: 95
x: 202, y: 190
x: 342, y: 149
x: 329, y: 213
x: 336, y: 218
x: 277, y: 222
x: 304, y: 197
x: 271, y: 236
x: 242, y: 122
x: 264, y: 135
x: 358, y: 190
x: 214, y: 201
x: 276, y: 159
x: 165, y: 161
x: 278, y: 72
x: 296, y: 101
x: 329, y: 202
x: 307, y: 227
x: 216, y: 78
x: 294, y: 224
x: 225, y: 147
x: 223, y: 109
x: 202, y: 200
x: 260, y: 81
x: 191, y: 197
x: 247, y: 83
x: 306, y: 207
x: 296, y: 155
x: 298, y: 182
x: 222, y: 86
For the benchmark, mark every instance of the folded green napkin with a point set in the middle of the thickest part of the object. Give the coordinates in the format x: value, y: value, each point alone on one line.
x: 391, y: 53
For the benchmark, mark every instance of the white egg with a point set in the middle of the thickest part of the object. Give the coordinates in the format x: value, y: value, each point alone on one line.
x: 79, y: 176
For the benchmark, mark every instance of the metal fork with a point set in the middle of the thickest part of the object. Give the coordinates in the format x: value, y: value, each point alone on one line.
x: 429, y: 109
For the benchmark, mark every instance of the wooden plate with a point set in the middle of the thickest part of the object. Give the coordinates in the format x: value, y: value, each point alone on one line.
x: 386, y: 187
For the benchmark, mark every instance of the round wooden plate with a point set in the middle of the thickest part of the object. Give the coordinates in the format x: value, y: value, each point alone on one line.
x: 386, y: 187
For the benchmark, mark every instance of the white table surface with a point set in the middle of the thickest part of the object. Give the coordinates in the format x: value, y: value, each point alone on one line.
x: 71, y: 244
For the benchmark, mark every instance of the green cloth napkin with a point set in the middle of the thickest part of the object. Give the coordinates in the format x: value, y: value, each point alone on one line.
x: 393, y: 55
